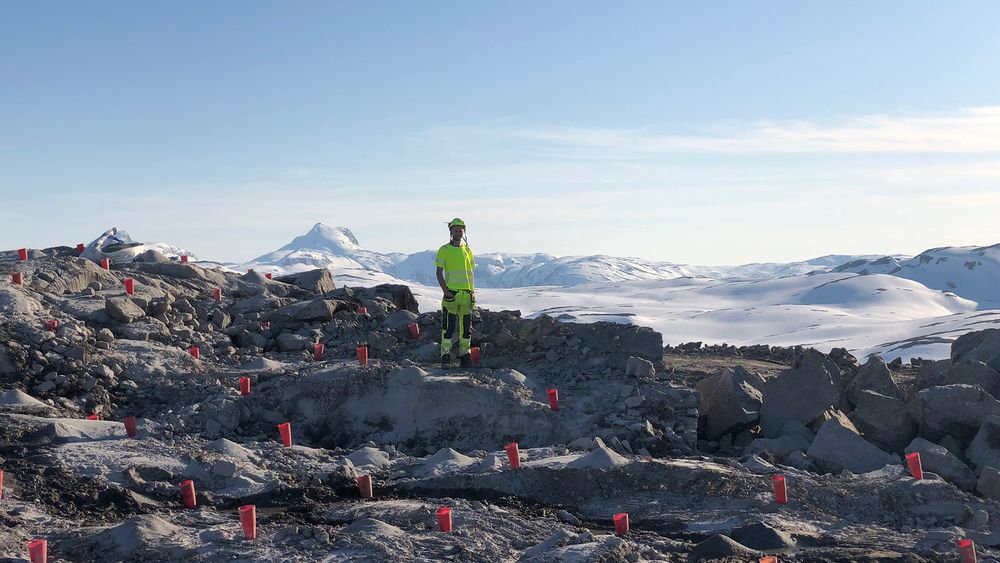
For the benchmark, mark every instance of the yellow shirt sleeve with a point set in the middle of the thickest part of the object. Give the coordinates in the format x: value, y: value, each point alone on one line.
x: 439, y: 260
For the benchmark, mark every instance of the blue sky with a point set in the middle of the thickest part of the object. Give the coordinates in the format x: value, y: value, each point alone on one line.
x: 706, y: 133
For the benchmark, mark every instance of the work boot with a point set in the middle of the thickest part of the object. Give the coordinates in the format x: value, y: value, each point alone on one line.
x: 445, y: 361
x: 465, y: 361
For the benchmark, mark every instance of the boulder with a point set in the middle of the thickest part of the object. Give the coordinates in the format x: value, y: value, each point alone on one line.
x: 399, y: 295
x: 105, y: 335
x: 258, y: 303
x: 289, y: 342
x: 780, y: 447
x: 147, y: 329
x: 152, y: 256
x: 794, y: 436
x: 873, y: 376
x: 316, y: 281
x: 820, y: 420
x: 400, y: 319
x: 221, y: 319
x: 884, y: 421
x: 159, y: 306
x: 938, y: 460
x: 932, y: 374
x: 7, y: 364
x: 989, y: 483
x: 983, y: 345
x: 844, y: 359
x: 973, y: 372
x: 730, y: 401
x: 957, y: 410
x: 381, y: 341
x: 182, y: 271
x: 246, y: 339
x: 801, y: 393
x: 838, y: 447
x: 984, y: 450
x: 639, y: 367
x: 305, y: 311
x: 123, y: 309
x: 799, y: 460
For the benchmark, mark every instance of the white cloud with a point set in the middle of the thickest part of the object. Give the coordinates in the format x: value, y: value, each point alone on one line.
x: 971, y: 130
x: 944, y: 174
x: 980, y: 201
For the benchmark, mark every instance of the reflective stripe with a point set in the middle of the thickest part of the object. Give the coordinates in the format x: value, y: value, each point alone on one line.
x: 458, y: 278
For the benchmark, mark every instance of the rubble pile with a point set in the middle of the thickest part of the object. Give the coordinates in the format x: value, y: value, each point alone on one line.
x: 688, y: 456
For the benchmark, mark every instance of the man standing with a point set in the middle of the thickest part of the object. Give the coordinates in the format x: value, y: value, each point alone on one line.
x: 455, y: 264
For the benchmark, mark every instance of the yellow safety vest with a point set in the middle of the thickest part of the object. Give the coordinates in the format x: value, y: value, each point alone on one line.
x: 457, y: 263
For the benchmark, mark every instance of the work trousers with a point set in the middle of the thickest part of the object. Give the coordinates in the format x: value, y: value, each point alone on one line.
x: 456, y: 320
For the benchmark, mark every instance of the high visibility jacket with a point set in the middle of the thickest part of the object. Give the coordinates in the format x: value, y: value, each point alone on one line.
x: 458, y: 264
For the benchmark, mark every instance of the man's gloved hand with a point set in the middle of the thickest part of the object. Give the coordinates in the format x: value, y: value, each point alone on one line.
x: 448, y: 294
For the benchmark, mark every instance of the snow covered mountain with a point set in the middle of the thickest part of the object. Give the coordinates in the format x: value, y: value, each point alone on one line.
x: 322, y: 247
x: 864, y: 313
x: 338, y: 249
x: 970, y: 271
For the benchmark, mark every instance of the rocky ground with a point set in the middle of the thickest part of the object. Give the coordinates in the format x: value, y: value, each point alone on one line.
x: 684, y: 439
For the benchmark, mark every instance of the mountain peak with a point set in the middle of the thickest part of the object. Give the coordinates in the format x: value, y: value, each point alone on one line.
x: 338, y: 240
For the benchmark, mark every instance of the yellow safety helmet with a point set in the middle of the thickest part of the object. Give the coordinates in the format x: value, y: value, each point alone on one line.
x: 456, y: 222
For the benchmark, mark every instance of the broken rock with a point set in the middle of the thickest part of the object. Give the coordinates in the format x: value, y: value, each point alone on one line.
x: 639, y: 367
x: 989, y: 483
x: 123, y: 309
x: 873, y: 376
x: 984, y: 450
x: 794, y: 436
x: 307, y: 311
x: 400, y: 319
x: 956, y: 410
x: 973, y: 372
x: 932, y: 374
x: 316, y: 281
x: 801, y: 393
x: 730, y: 401
x: 838, y: 447
x: 885, y: 421
x: 938, y: 460
x: 288, y: 342
x: 983, y: 345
